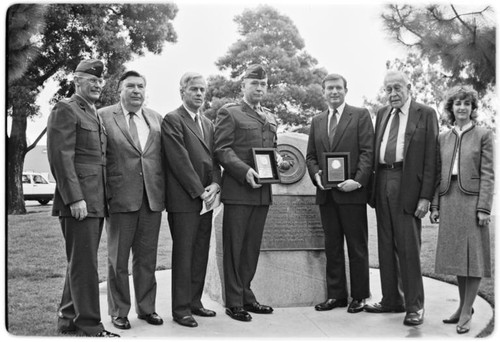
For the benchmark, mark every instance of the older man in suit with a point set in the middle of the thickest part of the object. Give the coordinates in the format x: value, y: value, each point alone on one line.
x: 346, y: 129
x: 239, y: 128
x: 193, y: 179
x: 135, y: 192
x: 76, y: 148
x: 405, y: 165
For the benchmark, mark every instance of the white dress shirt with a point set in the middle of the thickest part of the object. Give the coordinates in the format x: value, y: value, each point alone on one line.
x: 459, y: 131
x: 400, y: 145
x: 140, y: 122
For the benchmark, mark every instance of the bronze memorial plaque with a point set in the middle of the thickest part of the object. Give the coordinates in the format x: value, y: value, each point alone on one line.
x: 296, y: 162
x: 293, y: 223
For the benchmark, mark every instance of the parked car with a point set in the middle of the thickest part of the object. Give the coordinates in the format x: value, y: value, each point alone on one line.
x: 36, y: 187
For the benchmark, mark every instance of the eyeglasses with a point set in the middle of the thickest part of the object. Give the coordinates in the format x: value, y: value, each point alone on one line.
x: 95, y: 81
x: 396, y: 88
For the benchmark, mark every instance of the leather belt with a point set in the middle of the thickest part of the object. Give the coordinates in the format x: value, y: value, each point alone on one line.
x: 397, y: 165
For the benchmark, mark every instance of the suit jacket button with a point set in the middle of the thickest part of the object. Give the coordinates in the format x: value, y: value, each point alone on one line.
x: 140, y: 174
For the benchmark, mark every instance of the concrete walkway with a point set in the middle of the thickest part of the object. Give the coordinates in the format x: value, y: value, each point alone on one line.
x: 305, y: 322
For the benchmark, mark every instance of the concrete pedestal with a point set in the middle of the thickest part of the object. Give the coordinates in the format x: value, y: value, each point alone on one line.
x: 283, y: 278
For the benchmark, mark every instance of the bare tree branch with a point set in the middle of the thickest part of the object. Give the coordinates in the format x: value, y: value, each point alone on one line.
x: 403, y: 24
x: 32, y: 146
x: 471, y: 30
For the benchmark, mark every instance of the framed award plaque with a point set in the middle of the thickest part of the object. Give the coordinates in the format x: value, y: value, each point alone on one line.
x: 265, y: 165
x: 336, y: 168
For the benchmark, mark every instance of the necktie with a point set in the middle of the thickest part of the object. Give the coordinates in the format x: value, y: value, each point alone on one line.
x: 258, y: 110
x: 390, y: 148
x: 198, y: 125
x: 332, y: 127
x: 133, y: 130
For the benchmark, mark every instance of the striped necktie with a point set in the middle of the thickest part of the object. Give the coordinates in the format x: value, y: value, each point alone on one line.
x: 133, y: 130
x: 332, y: 127
x: 197, y: 121
x: 390, y: 148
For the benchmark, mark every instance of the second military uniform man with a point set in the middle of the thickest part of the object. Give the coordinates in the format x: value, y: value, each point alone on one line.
x: 239, y: 128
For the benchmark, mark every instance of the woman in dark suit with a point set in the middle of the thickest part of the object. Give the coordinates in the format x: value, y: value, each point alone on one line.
x: 462, y: 201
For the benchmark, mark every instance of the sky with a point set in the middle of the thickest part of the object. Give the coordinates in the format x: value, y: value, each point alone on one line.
x: 345, y: 38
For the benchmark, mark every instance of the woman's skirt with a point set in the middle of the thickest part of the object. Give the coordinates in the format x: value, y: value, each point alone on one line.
x: 463, y: 247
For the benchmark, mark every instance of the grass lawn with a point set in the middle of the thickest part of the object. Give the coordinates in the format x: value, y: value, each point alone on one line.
x: 36, y: 266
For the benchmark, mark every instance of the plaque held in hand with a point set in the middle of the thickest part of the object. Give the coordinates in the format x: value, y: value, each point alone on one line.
x: 265, y: 165
x: 336, y: 168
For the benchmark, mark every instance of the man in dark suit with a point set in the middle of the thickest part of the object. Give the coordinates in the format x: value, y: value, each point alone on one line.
x: 343, y: 128
x: 76, y: 148
x: 404, y: 182
x: 135, y: 192
x: 239, y: 128
x: 193, y: 179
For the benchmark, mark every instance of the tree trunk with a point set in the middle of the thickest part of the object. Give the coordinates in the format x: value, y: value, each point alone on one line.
x: 16, y: 151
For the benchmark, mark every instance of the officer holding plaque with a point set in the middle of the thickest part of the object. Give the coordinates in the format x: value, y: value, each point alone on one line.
x: 241, y: 132
x: 339, y: 161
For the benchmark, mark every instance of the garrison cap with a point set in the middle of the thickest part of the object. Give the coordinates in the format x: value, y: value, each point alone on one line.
x: 91, y: 66
x: 255, y: 71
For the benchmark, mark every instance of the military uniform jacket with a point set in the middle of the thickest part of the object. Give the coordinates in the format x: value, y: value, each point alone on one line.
x: 239, y: 129
x: 76, y: 148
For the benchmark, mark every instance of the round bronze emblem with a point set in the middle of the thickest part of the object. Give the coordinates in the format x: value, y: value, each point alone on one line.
x: 294, y: 170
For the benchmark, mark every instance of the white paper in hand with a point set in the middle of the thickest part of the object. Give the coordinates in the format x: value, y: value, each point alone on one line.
x: 214, y: 205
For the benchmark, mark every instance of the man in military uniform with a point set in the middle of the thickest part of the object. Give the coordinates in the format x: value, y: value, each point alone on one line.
x: 76, y: 145
x: 239, y: 128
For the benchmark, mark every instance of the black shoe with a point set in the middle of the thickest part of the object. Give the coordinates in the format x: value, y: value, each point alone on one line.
x: 454, y: 320
x: 187, y: 321
x: 414, y: 318
x: 105, y: 333
x: 258, y: 308
x: 203, y: 312
x: 379, y: 308
x: 330, y: 304
x: 356, y: 306
x: 67, y: 332
x: 239, y: 314
x: 120, y: 322
x: 462, y: 329
x: 65, y: 326
x: 152, y: 318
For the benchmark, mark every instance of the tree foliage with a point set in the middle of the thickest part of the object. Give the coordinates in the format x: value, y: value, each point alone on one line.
x: 462, y: 40
x: 24, y: 22
x: 113, y: 33
x: 271, y: 39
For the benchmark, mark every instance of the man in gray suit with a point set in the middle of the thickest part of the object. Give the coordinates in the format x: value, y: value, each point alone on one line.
x: 135, y: 193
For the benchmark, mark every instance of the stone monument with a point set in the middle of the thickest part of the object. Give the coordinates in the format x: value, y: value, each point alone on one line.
x: 291, y: 268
